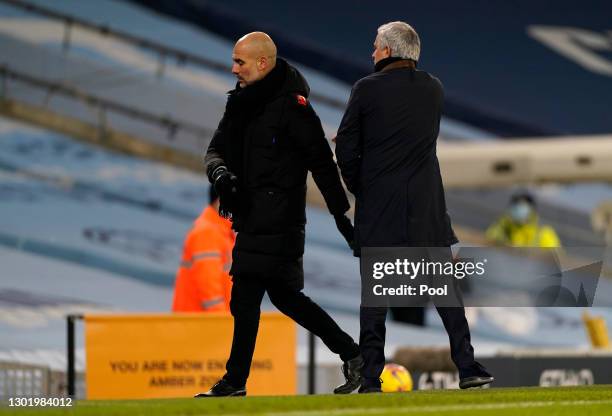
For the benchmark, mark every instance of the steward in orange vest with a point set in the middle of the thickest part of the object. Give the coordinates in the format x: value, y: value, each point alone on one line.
x: 203, y: 283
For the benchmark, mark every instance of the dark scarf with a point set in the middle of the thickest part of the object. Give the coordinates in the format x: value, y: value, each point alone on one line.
x: 242, y: 105
x: 380, y: 65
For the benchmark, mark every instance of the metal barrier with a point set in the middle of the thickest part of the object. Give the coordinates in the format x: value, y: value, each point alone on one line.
x: 24, y: 380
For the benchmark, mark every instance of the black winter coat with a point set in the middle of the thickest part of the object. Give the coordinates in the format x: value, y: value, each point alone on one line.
x: 386, y: 150
x: 270, y: 137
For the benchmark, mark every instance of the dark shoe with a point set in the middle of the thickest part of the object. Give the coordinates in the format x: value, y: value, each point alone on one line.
x: 223, y: 389
x: 352, y: 373
x: 371, y: 385
x: 475, y: 381
x: 370, y: 389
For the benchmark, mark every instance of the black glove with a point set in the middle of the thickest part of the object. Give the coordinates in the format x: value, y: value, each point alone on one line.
x: 226, y: 185
x: 346, y: 229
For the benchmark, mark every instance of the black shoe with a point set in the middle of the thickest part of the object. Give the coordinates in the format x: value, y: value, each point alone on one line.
x: 352, y: 373
x: 474, y: 381
x: 222, y: 389
x: 370, y: 389
x: 371, y: 385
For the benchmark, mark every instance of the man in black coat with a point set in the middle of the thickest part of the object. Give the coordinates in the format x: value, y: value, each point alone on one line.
x: 258, y: 160
x: 386, y: 150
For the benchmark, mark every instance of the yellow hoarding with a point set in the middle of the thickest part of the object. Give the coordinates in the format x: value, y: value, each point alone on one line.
x: 179, y: 355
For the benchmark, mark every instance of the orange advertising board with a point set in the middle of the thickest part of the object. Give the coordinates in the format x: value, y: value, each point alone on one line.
x: 179, y: 355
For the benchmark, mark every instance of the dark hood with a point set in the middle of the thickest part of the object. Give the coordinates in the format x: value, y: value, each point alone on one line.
x: 294, y: 81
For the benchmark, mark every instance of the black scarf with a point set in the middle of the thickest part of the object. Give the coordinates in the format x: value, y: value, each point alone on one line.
x: 242, y: 105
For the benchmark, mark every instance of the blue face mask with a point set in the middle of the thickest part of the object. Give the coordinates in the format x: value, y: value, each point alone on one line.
x: 520, y: 212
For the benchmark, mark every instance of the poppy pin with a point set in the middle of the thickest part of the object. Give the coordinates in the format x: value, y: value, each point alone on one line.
x: 301, y: 100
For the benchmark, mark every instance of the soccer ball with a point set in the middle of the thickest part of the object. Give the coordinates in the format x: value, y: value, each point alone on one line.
x: 395, y: 378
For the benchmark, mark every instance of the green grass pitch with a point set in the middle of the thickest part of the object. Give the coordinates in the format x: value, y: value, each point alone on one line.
x: 586, y: 400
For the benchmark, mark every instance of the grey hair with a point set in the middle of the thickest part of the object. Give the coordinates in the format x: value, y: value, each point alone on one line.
x: 401, y: 39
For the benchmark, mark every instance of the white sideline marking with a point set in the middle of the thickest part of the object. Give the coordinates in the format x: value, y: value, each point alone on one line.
x: 431, y: 409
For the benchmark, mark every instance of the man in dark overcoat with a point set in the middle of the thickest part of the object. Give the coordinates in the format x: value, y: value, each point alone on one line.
x: 386, y: 151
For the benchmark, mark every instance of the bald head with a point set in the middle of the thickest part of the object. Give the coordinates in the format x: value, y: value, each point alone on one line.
x: 254, y: 57
x: 257, y: 44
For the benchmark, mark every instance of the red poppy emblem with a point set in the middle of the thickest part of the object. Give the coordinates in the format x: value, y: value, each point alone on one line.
x: 301, y: 100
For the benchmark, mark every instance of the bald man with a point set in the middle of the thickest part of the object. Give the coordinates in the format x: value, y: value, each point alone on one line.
x: 258, y: 159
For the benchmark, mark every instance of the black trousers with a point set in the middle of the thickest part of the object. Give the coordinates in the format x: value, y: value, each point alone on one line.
x: 372, y: 342
x: 247, y: 293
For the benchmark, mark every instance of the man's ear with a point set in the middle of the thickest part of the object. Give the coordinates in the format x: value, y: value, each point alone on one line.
x: 387, y: 51
x: 262, y: 63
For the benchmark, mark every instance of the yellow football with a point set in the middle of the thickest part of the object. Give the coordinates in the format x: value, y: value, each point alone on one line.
x: 395, y: 378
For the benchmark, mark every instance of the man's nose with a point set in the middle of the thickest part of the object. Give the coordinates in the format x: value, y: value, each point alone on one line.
x: 235, y: 69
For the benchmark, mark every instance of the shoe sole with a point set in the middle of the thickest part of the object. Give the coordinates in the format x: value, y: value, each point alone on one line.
x: 370, y: 391
x: 239, y: 393
x: 476, y: 383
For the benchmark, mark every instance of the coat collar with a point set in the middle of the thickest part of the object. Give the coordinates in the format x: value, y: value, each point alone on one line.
x: 404, y: 63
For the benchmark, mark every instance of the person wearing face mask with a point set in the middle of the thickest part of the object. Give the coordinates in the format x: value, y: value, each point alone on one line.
x: 520, y: 226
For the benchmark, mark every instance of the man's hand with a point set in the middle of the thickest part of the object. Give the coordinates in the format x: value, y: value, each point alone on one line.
x: 346, y: 229
x: 226, y: 185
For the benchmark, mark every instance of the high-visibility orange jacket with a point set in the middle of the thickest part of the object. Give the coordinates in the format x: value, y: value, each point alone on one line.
x: 203, y: 283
